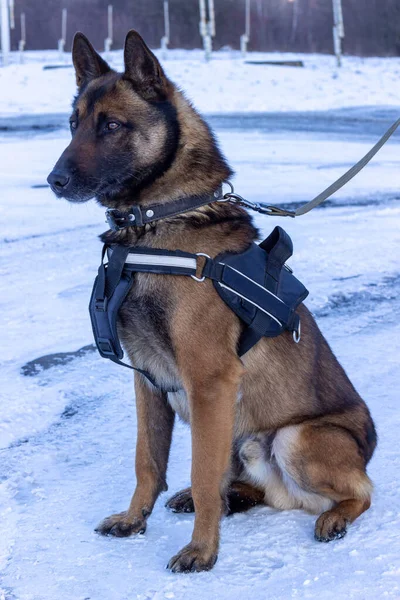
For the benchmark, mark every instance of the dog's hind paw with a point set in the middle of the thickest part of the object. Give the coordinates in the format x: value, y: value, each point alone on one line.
x: 120, y: 525
x: 182, y: 502
x: 330, y: 526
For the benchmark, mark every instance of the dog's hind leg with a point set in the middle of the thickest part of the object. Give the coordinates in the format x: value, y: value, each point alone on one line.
x: 242, y: 497
x: 323, y: 460
x: 318, y: 466
x: 239, y: 498
x: 155, y: 423
x: 181, y: 502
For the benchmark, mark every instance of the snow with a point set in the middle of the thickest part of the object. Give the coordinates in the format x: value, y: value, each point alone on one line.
x: 67, y: 433
x: 226, y: 84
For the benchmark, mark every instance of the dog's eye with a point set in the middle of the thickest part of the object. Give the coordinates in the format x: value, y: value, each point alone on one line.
x: 73, y: 124
x: 112, y: 126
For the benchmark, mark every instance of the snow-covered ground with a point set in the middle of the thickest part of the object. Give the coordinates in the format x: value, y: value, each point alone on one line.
x: 226, y: 84
x: 67, y: 434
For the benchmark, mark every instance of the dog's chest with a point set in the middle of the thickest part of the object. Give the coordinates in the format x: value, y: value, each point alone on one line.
x: 179, y: 403
x: 144, y: 326
x: 144, y: 332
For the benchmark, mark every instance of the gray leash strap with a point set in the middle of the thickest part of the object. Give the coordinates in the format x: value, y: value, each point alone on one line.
x: 276, y: 211
x: 302, y: 210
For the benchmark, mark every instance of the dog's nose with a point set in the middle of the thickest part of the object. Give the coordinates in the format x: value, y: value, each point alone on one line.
x: 58, y: 181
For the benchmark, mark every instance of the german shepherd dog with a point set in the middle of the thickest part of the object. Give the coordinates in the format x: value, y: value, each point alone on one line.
x: 283, y: 426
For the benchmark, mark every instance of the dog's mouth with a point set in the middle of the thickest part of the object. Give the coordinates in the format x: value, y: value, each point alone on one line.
x: 64, y: 186
x: 76, y: 197
x: 76, y: 192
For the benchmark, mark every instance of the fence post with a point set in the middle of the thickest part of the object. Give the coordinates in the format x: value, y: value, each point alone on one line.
x: 61, y: 41
x: 12, y: 14
x: 245, y: 38
x: 165, y: 38
x: 338, y: 30
x: 22, y: 41
x: 5, y: 33
x: 207, y: 28
x: 109, y: 39
x: 203, y: 28
x: 211, y: 18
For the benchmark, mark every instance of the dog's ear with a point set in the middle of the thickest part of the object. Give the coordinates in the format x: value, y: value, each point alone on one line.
x: 143, y: 70
x: 88, y: 64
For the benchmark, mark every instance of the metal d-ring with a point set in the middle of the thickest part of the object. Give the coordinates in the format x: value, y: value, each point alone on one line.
x: 297, y: 334
x: 200, y: 279
x: 226, y: 197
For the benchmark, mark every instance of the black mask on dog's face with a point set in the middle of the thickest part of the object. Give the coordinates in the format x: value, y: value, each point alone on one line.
x: 124, y: 129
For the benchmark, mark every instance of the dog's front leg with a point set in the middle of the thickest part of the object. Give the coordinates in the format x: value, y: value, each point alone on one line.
x: 212, y: 394
x: 155, y: 420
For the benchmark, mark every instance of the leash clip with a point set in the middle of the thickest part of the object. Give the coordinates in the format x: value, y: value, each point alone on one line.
x: 264, y: 209
x: 275, y: 211
x: 237, y: 199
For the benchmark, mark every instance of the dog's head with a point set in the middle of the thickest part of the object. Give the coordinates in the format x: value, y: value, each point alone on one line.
x: 124, y: 125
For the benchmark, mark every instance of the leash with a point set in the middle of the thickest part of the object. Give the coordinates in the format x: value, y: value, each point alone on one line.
x: 142, y: 215
x: 276, y: 211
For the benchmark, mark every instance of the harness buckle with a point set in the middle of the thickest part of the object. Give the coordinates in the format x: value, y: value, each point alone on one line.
x: 101, y: 304
x: 105, y: 347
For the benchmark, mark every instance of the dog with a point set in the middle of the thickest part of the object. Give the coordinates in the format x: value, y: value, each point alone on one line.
x: 283, y: 426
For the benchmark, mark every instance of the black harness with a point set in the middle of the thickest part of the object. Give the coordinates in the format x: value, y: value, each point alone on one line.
x: 256, y: 284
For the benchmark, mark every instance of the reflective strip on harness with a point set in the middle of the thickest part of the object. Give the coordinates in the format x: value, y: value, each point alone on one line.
x: 150, y: 260
x: 247, y: 300
x: 264, y: 289
x: 256, y: 294
x: 161, y: 261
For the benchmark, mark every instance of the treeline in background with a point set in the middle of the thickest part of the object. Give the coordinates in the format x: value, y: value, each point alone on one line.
x: 372, y: 27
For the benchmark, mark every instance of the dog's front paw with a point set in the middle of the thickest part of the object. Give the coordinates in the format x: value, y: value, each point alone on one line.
x: 193, y: 558
x: 120, y: 525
